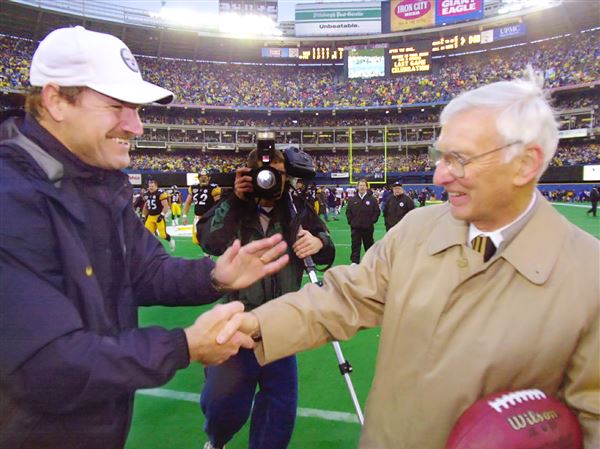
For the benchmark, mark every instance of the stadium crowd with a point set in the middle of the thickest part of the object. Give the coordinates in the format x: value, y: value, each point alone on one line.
x: 413, y: 116
x: 225, y: 162
x: 564, y: 61
x: 188, y: 163
x: 194, y: 117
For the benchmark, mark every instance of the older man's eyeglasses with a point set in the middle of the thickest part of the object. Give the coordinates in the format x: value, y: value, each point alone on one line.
x: 455, y: 162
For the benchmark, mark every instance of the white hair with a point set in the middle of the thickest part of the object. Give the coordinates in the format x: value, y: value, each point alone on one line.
x: 524, y: 113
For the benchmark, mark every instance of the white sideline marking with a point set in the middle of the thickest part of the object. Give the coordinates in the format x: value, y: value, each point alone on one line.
x: 571, y: 205
x: 180, y: 231
x: 303, y: 412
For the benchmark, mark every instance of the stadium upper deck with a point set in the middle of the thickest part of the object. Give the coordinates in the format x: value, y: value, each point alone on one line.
x: 221, y: 105
x: 565, y: 61
x: 151, y: 38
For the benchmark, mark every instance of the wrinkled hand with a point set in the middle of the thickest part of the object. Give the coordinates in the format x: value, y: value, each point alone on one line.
x: 243, y: 183
x: 241, y: 266
x: 202, y: 335
x: 245, y: 323
x: 307, y: 244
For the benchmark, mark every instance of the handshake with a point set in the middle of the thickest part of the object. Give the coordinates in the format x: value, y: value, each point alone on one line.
x: 219, y: 333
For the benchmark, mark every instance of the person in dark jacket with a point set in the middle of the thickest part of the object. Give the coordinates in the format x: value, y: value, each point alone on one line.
x: 229, y: 397
x: 396, y: 206
x: 332, y: 205
x: 422, y: 197
x: 594, y: 198
x: 76, y: 262
x: 362, y: 213
x: 384, y: 197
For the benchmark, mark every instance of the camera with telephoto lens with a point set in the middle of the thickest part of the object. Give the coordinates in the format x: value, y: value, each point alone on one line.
x: 266, y: 180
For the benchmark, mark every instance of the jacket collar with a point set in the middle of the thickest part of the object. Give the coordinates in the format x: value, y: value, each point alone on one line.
x: 73, y: 166
x: 533, y: 252
x: 10, y: 134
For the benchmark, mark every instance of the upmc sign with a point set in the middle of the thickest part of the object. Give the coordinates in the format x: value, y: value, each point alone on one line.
x: 451, y: 11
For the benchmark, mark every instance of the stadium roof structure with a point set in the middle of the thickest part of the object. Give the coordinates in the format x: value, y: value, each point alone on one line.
x: 30, y: 19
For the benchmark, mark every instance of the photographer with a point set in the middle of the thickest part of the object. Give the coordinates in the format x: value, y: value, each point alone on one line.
x: 229, y: 390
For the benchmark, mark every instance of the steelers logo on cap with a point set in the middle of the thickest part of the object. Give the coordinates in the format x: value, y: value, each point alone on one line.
x: 129, y: 60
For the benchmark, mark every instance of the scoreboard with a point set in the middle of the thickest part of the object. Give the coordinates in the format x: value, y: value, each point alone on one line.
x: 322, y: 54
x: 401, y: 57
x: 310, y: 54
x: 409, y: 58
x: 455, y: 42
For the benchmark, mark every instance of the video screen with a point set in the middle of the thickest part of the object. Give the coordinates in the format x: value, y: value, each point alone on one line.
x: 366, y: 63
x: 406, y: 59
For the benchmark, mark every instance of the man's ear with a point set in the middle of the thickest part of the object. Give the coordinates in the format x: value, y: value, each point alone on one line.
x: 53, y: 102
x: 530, y: 163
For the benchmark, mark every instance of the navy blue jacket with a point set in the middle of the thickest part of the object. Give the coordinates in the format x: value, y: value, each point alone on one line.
x: 75, y: 264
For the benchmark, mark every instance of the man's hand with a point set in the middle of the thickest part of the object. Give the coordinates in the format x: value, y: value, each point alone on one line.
x: 201, y: 336
x: 243, y: 183
x: 241, y: 266
x: 307, y: 244
x: 185, y: 220
x: 246, y: 323
x: 160, y: 218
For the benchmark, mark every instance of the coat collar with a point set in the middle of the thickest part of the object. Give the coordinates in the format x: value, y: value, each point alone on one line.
x: 533, y: 252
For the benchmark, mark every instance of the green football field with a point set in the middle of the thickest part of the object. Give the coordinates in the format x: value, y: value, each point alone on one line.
x: 170, y: 417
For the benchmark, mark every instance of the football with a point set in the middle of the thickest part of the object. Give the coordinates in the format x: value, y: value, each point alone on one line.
x: 525, y: 419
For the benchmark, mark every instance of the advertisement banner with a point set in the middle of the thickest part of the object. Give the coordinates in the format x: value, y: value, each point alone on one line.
x: 191, y: 179
x: 337, y: 19
x: 135, y: 179
x: 504, y: 32
x: 279, y: 52
x: 408, y: 14
x: 510, y: 31
x: 340, y: 175
x: 572, y: 133
x: 487, y: 36
x: 591, y: 172
x: 452, y: 11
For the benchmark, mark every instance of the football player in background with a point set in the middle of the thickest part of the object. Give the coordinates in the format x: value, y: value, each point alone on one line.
x: 155, y: 211
x: 204, y: 195
x: 138, y: 201
x: 175, y: 205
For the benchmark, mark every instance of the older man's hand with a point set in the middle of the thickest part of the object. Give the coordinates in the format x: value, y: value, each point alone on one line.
x: 245, y: 323
x: 202, y: 335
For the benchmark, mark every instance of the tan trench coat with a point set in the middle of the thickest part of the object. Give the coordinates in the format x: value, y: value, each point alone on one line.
x: 453, y: 328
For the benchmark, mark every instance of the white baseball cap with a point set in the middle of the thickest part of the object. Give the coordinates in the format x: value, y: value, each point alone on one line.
x: 79, y: 57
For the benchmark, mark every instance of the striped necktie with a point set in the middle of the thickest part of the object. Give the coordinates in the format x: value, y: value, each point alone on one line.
x: 484, y: 245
